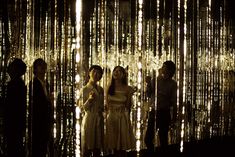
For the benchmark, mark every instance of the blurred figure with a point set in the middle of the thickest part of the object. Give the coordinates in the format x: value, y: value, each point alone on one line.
x: 92, y: 104
x: 41, y: 110
x: 15, y: 109
x: 150, y: 131
x: 119, y: 132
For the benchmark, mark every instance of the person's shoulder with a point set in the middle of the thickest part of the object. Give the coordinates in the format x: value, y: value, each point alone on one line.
x: 84, y: 88
x: 174, y: 83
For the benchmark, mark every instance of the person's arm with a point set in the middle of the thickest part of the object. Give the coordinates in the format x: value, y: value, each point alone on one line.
x: 102, y: 99
x: 86, y: 99
x: 131, y: 91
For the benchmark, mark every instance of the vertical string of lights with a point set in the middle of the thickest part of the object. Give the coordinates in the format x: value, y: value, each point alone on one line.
x: 188, y: 77
x: 225, y: 69
x: 139, y: 75
x: 201, y: 81
x: 78, y: 66
x: 178, y: 63
x: 28, y: 59
x: 184, y: 75
x: 57, y: 78
x: 116, y: 30
x: 102, y: 42
x: 223, y: 58
x: 157, y: 50
x: 209, y: 74
x: 210, y: 64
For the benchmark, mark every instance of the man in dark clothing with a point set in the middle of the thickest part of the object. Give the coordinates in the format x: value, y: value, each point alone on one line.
x: 15, y: 110
x: 41, y: 110
x: 166, y: 99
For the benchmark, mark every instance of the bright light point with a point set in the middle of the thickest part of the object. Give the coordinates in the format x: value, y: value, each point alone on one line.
x: 139, y: 65
x: 138, y: 145
x: 77, y: 58
x: 77, y: 92
x: 78, y: 111
x: 77, y: 78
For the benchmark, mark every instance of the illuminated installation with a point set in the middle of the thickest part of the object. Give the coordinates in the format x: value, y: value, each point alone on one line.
x: 139, y: 35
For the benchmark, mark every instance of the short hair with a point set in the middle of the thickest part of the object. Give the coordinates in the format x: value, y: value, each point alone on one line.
x: 171, y: 67
x: 97, y: 67
x: 16, y: 68
x: 38, y: 62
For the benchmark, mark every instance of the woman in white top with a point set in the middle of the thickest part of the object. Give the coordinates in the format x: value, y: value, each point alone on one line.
x: 119, y: 132
x: 92, y: 104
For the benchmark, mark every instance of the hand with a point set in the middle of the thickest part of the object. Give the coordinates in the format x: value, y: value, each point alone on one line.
x: 91, y: 96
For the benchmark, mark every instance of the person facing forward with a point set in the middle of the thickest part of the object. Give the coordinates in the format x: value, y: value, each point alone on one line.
x: 41, y: 110
x: 92, y: 104
x: 119, y: 132
x: 15, y: 109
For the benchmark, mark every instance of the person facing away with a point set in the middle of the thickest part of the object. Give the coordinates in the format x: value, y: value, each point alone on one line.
x: 15, y: 109
x: 92, y: 104
x: 119, y: 132
x: 41, y: 110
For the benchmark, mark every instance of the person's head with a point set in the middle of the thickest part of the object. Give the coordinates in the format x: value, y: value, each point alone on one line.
x: 16, y: 68
x: 168, y: 69
x: 119, y: 74
x: 39, y: 68
x: 95, y: 73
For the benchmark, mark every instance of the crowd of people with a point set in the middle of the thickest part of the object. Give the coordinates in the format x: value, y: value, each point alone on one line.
x: 106, y: 124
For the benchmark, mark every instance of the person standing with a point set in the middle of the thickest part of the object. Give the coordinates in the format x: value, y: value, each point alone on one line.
x: 166, y: 101
x: 119, y: 132
x: 15, y: 109
x: 92, y: 104
x: 41, y: 110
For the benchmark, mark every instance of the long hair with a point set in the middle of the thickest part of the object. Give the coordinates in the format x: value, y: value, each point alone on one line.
x: 111, y: 89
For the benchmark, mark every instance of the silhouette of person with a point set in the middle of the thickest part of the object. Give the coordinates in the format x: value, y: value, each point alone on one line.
x: 166, y: 99
x: 92, y: 104
x: 41, y: 110
x: 15, y: 109
x: 150, y: 131
x: 119, y: 132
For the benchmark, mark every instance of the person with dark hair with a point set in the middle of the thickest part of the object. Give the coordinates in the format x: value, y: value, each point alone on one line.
x: 41, y: 110
x: 91, y: 102
x: 166, y: 101
x: 15, y: 110
x: 119, y: 132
